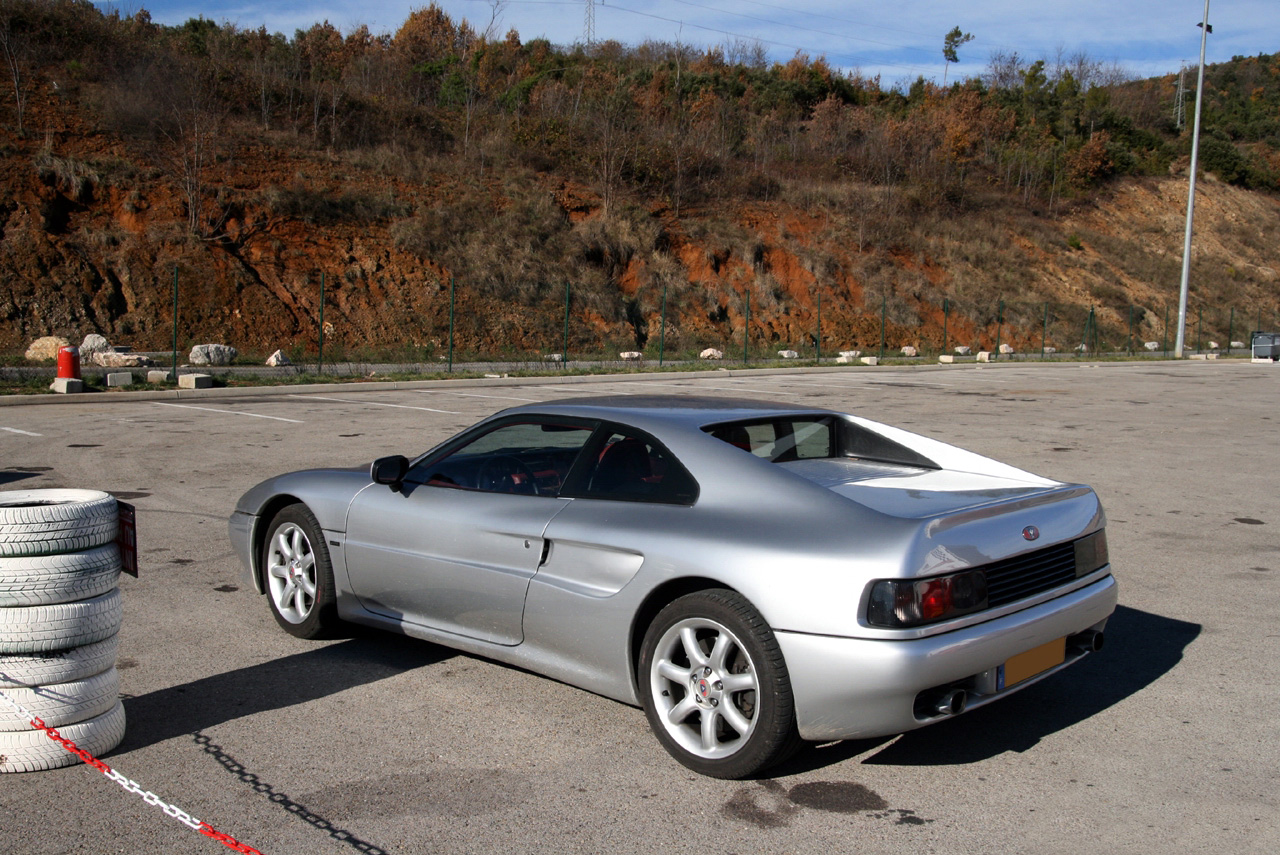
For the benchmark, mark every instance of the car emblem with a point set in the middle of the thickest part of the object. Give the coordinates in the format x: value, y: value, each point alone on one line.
x: 703, y: 688
x: 1031, y: 533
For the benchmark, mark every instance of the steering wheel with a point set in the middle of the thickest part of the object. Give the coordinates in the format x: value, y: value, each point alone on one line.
x: 504, y: 473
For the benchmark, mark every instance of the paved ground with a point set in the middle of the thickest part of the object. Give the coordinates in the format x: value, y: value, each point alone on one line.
x: 1165, y: 742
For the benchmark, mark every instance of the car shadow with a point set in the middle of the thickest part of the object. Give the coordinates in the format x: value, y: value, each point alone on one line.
x: 277, y: 684
x: 8, y: 476
x: 1140, y: 648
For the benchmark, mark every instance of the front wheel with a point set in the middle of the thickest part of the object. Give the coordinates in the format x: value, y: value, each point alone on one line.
x: 299, y: 575
x: 715, y: 686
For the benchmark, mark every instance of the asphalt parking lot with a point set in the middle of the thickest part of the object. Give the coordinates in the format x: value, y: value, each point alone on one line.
x: 1166, y: 741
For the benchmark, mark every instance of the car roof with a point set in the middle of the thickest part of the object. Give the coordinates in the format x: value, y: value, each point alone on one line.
x: 685, y: 411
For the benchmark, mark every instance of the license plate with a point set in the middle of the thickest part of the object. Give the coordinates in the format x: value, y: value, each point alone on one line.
x: 1035, y: 661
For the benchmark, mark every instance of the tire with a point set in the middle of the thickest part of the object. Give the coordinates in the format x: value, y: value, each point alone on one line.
x: 62, y: 703
x: 298, y: 575
x: 37, y: 580
x: 32, y: 750
x: 733, y: 685
x: 59, y: 666
x: 45, y: 522
x: 41, y: 629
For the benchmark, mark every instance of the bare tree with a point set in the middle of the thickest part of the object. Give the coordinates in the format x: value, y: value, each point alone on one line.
x: 16, y: 50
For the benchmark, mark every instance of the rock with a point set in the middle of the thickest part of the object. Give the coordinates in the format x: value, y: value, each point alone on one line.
x: 984, y: 356
x: 212, y: 354
x: 46, y: 347
x: 788, y: 354
x: 1213, y: 345
x: 844, y: 360
x: 850, y: 355
x: 1006, y: 348
x: 111, y: 359
x: 1151, y: 345
x: 278, y: 358
x: 1051, y: 350
x: 910, y: 351
x: 1082, y: 348
x: 711, y: 353
x: 631, y: 356
x: 93, y: 343
x: 964, y: 350
x: 1235, y: 344
x: 553, y: 357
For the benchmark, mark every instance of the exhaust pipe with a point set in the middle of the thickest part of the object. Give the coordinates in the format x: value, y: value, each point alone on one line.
x: 1089, y: 641
x: 951, y: 702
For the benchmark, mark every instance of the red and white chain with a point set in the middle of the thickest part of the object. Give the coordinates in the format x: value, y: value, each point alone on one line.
x: 129, y: 785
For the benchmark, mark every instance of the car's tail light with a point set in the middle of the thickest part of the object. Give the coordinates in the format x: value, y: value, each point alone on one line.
x: 1091, y: 553
x: 898, y: 603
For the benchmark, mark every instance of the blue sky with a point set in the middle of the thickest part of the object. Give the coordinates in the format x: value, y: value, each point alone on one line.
x: 899, y: 40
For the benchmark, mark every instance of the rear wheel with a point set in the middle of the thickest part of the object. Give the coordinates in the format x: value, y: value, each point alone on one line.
x: 715, y: 686
x: 299, y: 575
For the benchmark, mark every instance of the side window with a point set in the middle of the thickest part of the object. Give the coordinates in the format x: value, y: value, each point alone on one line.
x: 525, y: 458
x: 634, y: 468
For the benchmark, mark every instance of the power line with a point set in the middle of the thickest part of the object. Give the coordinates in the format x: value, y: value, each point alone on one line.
x: 773, y: 42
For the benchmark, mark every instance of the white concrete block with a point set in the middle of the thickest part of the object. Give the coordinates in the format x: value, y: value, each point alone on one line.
x: 67, y: 385
x: 946, y: 359
x: 984, y: 356
x: 870, y: 360
x: 119, y: 378
x: 156, y: 376
x: 195, y: 381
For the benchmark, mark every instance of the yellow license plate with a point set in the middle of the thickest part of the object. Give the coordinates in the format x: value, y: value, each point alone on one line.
x: 1035, y: 661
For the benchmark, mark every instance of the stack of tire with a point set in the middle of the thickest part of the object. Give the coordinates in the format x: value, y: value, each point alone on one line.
x: 60, y: 613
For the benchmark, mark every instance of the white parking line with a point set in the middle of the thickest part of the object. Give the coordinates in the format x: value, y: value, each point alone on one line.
x: 228, y: 412
x: 376, y: 404
x: 878, y: 381
x: 472, y: 395
x: 22, y: 432
x: 579, y: 390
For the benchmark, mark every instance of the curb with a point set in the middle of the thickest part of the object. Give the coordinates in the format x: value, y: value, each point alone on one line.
x: 539, y: 380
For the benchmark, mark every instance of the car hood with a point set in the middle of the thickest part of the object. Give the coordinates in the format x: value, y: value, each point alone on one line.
x: 910, y: 492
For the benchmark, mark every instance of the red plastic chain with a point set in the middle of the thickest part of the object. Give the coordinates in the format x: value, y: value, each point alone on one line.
x: 150, y: 798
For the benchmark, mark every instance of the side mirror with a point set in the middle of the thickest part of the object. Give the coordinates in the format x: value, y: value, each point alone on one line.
x: 389, y: 470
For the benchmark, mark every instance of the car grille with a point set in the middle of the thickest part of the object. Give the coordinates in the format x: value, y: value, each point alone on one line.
x: 1030, y: 574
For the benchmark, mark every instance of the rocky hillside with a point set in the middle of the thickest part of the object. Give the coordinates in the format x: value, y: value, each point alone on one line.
x: 103, y: 209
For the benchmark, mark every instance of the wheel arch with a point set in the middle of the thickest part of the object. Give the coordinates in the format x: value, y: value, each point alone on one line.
x: 266, y: 514
x: 657, y: 600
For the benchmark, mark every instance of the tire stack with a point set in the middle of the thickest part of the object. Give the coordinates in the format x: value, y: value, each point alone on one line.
x: 60, y: 613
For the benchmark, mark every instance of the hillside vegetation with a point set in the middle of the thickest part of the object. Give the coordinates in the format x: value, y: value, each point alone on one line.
x: 247, y: 164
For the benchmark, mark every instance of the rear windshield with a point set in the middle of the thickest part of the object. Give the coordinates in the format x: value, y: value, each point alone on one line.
x: 782, y: 439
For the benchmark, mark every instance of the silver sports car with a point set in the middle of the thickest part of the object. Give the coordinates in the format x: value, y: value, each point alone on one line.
x: 752, y: 574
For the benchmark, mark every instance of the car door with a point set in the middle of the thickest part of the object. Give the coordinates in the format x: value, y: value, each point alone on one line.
x: 453, y: 548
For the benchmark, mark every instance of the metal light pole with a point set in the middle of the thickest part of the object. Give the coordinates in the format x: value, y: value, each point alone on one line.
x: 1205, y: 29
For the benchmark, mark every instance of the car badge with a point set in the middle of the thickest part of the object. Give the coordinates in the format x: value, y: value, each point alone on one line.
x: 1031, y: 533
